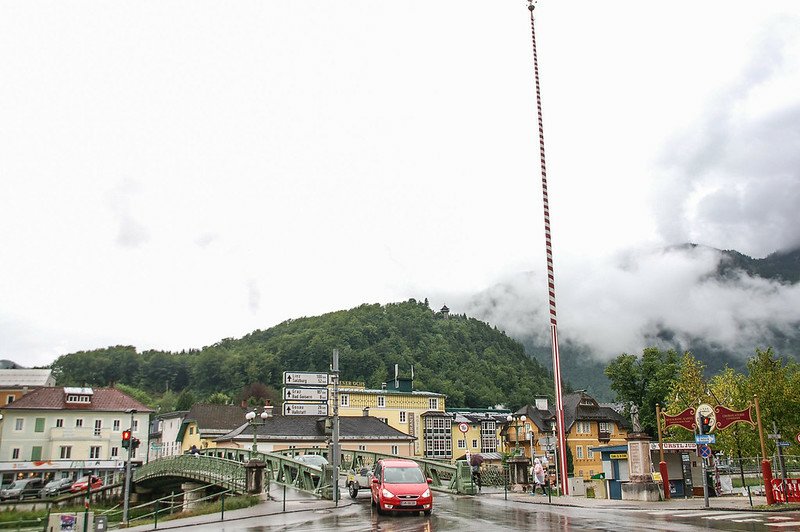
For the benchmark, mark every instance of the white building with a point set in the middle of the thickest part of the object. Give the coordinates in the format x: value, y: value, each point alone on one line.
x: 64, y: 432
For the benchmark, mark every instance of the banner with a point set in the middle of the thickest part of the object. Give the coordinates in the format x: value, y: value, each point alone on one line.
x: 727, y: 417
x: 685, y: 419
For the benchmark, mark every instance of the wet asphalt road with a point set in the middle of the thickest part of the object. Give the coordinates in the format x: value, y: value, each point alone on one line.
x: 489, y: 514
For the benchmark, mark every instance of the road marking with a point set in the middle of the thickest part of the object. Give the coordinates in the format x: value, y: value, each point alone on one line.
x: 780, y: 518
x: 746, y: 520
x: 787, y: 523
x: 699, y: 513
x: 732, y: 515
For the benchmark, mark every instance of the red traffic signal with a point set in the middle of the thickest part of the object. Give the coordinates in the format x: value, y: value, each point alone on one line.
x: 126, y: 438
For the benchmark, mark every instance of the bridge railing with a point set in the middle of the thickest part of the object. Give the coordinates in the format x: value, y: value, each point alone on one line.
x: 229, y: 474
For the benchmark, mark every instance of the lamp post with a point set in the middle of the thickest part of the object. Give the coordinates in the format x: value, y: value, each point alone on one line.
x: 127, y: 494
x: 251, y: 418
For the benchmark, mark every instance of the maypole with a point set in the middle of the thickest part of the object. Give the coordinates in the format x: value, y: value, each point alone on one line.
x: 551, y: 279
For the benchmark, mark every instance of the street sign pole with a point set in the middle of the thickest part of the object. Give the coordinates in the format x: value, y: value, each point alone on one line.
x: 335, y: 444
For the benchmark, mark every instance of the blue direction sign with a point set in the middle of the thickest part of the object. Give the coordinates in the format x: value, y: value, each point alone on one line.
x: 783, y: 444
x: 705, y: 438
x: 705, y: 451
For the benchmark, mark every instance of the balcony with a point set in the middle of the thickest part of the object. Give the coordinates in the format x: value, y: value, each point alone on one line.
x: 604, y: 437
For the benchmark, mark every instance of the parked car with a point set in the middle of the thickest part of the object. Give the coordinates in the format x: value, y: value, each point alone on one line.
x: 312, y: 459
x: 399, y: 485
x: 22, y: 488
x: 357, y: 479
x: 82, y: 483
x: 56, y: 487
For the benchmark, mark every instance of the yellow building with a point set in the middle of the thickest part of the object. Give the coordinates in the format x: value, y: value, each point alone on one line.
x: 449, y: 435
x: 591, y: 425
x: 396, y: 404
x: 588, y: 424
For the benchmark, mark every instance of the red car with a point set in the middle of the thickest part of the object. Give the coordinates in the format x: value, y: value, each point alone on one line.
x: 81, y: 483
x: 399, y: 486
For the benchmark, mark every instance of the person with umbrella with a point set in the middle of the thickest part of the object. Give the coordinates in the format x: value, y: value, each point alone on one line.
x: 475, y: 461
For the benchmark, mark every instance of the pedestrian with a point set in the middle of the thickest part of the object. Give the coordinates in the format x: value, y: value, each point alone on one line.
x: 538, y: 475
x: 476, y: 475
x: 194, y: 451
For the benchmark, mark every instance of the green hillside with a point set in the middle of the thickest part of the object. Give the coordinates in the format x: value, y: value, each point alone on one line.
x: 475, y: 364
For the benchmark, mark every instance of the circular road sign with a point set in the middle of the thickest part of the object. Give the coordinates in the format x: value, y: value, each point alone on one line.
x: 463, y: 427
x: 705, y: 451
x: 797, y: 438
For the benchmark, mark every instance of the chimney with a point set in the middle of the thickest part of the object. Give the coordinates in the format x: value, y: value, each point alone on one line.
x: 383, y: 386
x: 541, y: 403
x: 365, y: 412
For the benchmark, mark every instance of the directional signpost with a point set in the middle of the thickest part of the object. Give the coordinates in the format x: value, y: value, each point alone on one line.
x: 304, y: 378
x: 305, y: 394
x: 305, y: 409
x: 705, y: 438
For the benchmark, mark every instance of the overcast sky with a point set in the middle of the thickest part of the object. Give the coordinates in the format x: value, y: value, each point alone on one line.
x: 175, y: 173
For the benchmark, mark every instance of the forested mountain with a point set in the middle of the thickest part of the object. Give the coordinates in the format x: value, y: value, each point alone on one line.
x: 582, y: 368
x: 473, y: 363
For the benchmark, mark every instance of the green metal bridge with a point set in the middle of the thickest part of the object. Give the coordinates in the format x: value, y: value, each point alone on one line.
x: 226, y: 468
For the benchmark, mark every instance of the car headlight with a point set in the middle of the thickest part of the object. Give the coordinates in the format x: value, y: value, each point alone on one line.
x: 426, y: 493
x: 387, y: 493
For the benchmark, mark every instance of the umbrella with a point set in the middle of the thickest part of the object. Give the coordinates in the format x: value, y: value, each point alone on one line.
x: 476, y: 460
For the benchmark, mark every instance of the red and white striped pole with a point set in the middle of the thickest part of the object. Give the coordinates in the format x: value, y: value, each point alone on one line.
x: 551, y: 279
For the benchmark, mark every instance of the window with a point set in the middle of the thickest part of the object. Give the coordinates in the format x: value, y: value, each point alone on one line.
x: 98, y: 425
x: 384, y: 420
x: 381, y: 401
x: 39, y: 425
x: 78, y: 423
x: 114, y: 452
x: 527, y: 428
x: 462, y: 444
x: 606, y: 427
x: 438, y: 437
x: 402, y: 419
x: 191, y: 430
x: 94, y: 452
x: 395, y: 449
x: 474, y: 444
x: 9, y: 399
x: 19, y: 424
x: 362, y: 447
x: 79, y: 399
x: 589, y: 454
x: 59, y: 423
x: 433, y: 403
x: 65, y: 451
x: 116, y: 425
x: 344, y: 399
x: 489, y: 436
x: 135, y: 425
x: 36, y: 453
x: 15, y: 454
x: 584, y: 427
x: 579, y: 451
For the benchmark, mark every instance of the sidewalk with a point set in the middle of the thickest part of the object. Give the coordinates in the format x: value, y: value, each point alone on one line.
x: 730, y: 503
x: 296, y: 501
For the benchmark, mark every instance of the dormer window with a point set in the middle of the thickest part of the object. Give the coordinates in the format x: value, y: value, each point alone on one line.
x: 79, y: 399
x: 78, y: 395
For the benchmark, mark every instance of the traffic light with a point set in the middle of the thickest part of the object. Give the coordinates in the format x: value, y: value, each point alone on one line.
x: 126, y: 439
x: 135, y: 443
x: 705, y: 425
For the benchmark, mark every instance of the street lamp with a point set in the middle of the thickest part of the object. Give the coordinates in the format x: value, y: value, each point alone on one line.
x: 251, y: 418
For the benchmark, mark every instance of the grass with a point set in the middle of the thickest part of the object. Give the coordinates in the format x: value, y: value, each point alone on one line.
x: 29, y: 519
